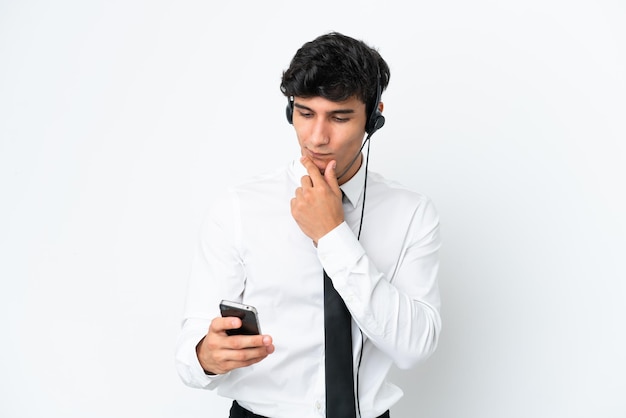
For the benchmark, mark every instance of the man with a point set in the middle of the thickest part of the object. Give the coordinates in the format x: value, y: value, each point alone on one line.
x: 272, y: 242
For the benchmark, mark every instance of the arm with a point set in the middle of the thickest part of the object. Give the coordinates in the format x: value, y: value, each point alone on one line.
x: 399, y: 314
x: 203, y: 349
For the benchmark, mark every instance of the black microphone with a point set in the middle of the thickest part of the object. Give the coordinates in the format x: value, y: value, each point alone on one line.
x: 355, y: 157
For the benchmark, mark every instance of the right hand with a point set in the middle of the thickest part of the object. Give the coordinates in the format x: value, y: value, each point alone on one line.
x: 316, y: 206
x: 220, y: 353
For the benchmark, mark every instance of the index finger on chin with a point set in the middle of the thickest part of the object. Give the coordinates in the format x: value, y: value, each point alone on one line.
x: 312, y: 169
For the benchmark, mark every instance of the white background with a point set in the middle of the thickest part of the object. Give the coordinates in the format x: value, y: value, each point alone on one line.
x: 120, y: 119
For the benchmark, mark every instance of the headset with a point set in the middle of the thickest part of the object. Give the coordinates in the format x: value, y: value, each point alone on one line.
x: 375, y: 121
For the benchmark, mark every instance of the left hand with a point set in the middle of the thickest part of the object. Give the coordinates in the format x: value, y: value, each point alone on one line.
x: 317, y: 205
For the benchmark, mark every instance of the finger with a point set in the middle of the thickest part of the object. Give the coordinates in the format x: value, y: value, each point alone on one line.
x: 306, y: 181
x: 221, y: 324
x: 243, y: 358
x: 258, y: 346
x: 227, y: 360
x: 331, y: 177
x: 268, y: 342
x: 311, y: 168
x: 246, y: 342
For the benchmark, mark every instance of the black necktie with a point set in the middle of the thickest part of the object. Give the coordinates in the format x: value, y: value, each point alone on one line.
x: 340, y: 401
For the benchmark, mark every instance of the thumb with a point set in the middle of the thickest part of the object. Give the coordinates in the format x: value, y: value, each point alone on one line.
x: 331, y: 176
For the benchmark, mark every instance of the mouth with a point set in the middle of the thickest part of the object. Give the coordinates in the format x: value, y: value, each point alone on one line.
x: 317, y: 155
x: 319, y: 159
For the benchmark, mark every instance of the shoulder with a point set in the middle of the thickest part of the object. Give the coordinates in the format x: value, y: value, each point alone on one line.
x: 395, y: 205
x: 395, y: 192
x: 252, y: 189
x: 263, y: 183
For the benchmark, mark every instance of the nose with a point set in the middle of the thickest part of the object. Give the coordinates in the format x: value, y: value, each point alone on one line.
x: 320, y: 133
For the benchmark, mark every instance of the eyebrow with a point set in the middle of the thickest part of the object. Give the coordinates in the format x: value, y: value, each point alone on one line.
x: 332, y: 112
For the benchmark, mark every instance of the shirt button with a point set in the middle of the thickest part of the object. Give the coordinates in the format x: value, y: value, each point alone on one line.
x: 318, y: 405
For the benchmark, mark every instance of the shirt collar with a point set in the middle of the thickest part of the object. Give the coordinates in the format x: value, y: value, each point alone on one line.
x: 352, y: 189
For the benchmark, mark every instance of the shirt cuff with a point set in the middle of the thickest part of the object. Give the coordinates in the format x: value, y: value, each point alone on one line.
x: 339, y: 249
x: 188, y: 364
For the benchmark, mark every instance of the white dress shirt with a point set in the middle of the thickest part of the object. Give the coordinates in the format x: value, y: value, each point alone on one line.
x: 252, y: 250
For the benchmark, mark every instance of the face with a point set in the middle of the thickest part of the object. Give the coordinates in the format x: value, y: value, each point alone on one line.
x: 328, y: 130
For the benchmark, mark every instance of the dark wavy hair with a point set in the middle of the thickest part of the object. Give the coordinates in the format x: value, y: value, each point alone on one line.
x: 336, y: 67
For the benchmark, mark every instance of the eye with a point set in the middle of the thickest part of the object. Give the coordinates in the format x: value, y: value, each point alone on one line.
x: 340, y: 120
x: 305, y: 115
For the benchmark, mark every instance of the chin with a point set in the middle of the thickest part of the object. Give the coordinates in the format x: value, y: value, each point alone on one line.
x: 319, y: 163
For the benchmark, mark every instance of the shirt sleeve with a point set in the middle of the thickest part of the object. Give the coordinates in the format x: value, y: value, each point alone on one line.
x: 399, y: 314
x: 216, y: 273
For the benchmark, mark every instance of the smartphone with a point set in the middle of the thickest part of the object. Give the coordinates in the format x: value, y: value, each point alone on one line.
x: 248, y: 315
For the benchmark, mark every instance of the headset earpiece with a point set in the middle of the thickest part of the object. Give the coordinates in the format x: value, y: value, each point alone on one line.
x: 376, y: 119
x: 289, y: 110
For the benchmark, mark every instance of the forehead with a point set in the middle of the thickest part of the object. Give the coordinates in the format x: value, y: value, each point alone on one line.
x: 321, y: 104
